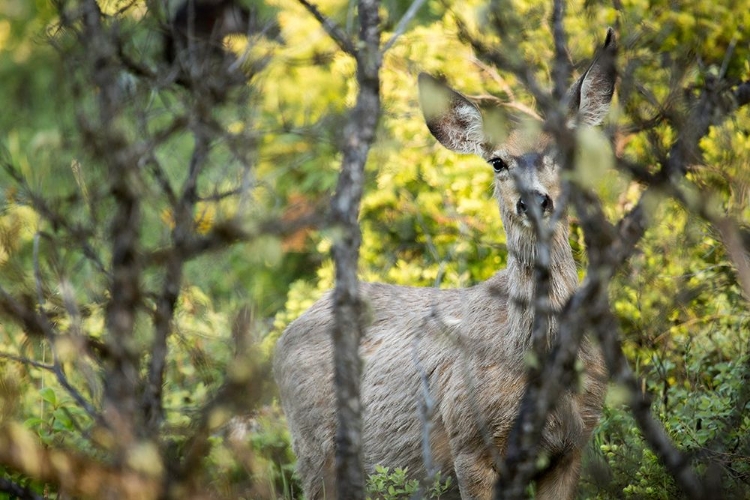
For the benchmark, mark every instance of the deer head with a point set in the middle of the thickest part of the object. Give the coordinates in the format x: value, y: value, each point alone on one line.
x: 525, y: 163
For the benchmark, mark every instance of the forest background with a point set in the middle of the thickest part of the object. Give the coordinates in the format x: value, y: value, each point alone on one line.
x: 216, y: 194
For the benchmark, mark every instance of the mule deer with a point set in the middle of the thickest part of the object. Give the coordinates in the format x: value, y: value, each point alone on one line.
x: 467, y: 345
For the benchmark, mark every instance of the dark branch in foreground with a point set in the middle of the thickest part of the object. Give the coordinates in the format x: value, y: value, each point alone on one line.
x: 15, y: 490
x: 349, y: 310
x: 334, y: 30
x: 588, y: 310
x: 676, y: 461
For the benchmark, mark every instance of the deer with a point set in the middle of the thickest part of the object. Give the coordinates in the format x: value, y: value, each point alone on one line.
x: 467, y: 346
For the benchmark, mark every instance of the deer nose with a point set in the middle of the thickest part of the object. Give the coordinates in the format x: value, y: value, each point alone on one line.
x: 543, y: 201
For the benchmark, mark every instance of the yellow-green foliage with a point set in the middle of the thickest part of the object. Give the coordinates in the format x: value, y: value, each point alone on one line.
x: 428, y: 217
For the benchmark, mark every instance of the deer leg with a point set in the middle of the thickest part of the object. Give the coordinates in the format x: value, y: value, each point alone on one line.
x: 475, y: 474
x: 320, y: 484
x: 560, y: 481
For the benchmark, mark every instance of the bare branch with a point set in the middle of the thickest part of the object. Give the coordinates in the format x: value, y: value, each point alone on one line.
x: 27, y: 361
x: 403, y: 23
x: 81, y: 235
x: 676, y: 462
x: 512, y: 103
x: 18, y: 491
x: 349, y: 309
x: 561, y: 66
x: 35, y: 322
x: 229, y: 232
x: 517, y: 67
x: 167, y: 300
x: 334, y: 30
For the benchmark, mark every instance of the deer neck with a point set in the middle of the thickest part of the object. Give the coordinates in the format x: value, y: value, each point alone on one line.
x: 563, y: 279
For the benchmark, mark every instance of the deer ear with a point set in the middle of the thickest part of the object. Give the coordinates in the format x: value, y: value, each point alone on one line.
x: 591, y: 95
x: 454, y: 120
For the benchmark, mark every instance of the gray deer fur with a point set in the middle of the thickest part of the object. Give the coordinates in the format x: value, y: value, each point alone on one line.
x: 468, y: 344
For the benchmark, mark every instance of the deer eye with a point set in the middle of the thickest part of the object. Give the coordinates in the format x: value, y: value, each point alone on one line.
x: 499, y: 165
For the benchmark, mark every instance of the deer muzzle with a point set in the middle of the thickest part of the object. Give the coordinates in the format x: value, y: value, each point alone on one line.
x: 542, y: 202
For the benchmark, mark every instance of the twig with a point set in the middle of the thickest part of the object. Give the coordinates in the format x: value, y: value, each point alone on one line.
x: 45, y: 209
x: 124, y: 8
x: 223, y: 194
x: 35, y: 322
x: 561, y: 65
x: 27, y: 361
x: 228, y: 232
x: 349, y: 309
x: 522, y: 71
x: 676, y: 462
x: 512, y: 102
x: 18, y: 491
x: 727, y: 57
x: 165, y: 304
x: 402, y: 24
x: 334, y: 30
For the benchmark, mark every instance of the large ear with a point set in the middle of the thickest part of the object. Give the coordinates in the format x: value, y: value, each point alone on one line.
x: 454, y: 120
x: 591, y: 95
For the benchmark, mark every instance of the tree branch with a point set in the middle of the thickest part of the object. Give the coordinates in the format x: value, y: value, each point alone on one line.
x: 359, y: 133
x: 17, y: 491
x: 676, y: 462
x: 35, y: 322
x: 561, y: 66
x: 183, y: 230
x: 334, y: 30
x: 514, y: 65
x: 81, y: 235
x: 402, y: 24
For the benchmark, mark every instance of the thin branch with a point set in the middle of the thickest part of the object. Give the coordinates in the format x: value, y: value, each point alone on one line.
x: 230, y: 232
x: 124, y: 8
x: 349, y: 309
x: 222, y: 195
x: 334, y: 30
x: 512, y: 102
x: 161, y: 178
x: 167, y: 300
x: 561, y: 65
x: 403, y: 23
x: 676, y: 462
x: 18, y: 491
x: 520, y: 69
x: 38, y: 323
x: 27, y: 361
x: 45, y: 209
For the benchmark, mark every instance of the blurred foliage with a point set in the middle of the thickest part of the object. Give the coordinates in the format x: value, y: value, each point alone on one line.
x: 387, y: 484
x: 428, y: 219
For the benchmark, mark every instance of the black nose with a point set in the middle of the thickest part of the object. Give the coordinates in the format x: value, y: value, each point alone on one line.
x: 543, y: 201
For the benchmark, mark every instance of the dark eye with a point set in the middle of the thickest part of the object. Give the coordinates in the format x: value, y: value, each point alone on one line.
x: 499, y: 165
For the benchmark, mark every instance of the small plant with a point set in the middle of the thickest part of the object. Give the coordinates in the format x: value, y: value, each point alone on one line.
x: 396, y: 485
x: 439, y: 487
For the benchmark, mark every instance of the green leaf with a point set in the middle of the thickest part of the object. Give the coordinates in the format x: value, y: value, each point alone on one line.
x: 48, y: 395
